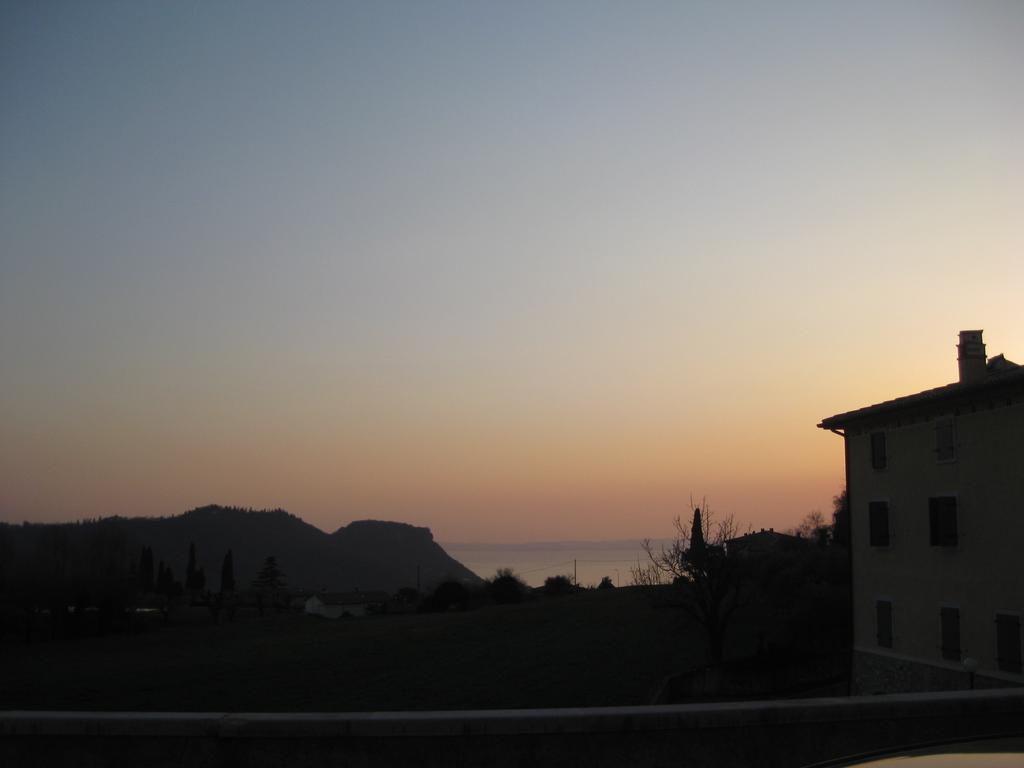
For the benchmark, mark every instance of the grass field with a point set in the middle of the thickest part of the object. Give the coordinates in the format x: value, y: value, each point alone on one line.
x: 590, y: 649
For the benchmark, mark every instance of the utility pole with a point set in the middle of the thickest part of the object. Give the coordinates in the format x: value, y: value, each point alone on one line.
x: 575, y: 582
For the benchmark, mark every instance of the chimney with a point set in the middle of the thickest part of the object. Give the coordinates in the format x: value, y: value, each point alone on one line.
x: 971, y: 357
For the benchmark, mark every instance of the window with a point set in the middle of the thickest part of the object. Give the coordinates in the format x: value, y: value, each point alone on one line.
x: 1008, y: 642
x: 942, y: 521
x: 950, y: 620
x: 883, y: 620
x: 945, y: 445
x: 878, y: 522
x: 878, y: 450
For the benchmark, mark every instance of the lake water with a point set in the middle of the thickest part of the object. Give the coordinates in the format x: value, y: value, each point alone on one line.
x: 536, y: 561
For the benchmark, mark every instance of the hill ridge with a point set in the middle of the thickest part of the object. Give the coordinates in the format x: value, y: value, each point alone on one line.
x: 364, y: 554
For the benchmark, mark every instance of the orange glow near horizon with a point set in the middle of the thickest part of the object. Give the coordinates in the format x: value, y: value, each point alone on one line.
x: 578, y: 472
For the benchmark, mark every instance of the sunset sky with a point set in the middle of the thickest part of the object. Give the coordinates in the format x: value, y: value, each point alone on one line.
x: 515, y: 271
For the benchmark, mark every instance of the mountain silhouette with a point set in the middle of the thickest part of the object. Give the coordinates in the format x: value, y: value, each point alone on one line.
x: 366, y: 554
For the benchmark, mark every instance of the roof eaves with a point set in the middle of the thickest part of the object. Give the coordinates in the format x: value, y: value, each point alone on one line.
x: 998, y: 380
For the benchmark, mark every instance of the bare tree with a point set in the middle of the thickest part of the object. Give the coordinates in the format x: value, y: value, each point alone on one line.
x: 646, y: 574
x: 815, y: 528
x: 713, y: 584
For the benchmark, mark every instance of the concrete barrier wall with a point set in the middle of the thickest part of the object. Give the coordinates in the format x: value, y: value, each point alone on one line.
x: 776, y: 733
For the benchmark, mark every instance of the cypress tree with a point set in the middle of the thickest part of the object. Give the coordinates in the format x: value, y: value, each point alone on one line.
x: 270, y: 577
x: 190, y: 569
x: 165, y: 580
x: 227, y: 573
x: 268, y: 585
x: 697, y: 545
x: 146, y: 578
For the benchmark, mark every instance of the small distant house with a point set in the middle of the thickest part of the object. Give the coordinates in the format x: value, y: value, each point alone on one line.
x: 335, y: 605
x: 935, y: 484
x: 762, y: 542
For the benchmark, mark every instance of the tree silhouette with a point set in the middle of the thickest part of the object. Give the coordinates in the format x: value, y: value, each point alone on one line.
x: 506, y: 587
x: 164, y: 579
x: 813, y: 528
x: 167, y: 588
x: 227, y: 573
x: 712, y: 584
x: 147, y: 580
x: 448, y: 594
x: 269, y: 585
x: 190, y: 569
x: 558, y: 585
x: 270, y: 576
x: 697, y: 546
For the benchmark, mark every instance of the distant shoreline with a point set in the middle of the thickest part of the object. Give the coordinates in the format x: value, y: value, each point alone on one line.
x: 587, y: 561
x: 552, y: 545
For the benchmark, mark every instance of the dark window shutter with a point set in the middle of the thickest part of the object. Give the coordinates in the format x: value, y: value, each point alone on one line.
x: 948, y: 522
x: 950, y: 618
x: 933, y: 522
x: 942, y: 522
x: 1008, y: 642
x: 883, y: 618
x: 878, y: 523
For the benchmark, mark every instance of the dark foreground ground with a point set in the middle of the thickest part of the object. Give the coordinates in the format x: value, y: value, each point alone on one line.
x: 590, y: 649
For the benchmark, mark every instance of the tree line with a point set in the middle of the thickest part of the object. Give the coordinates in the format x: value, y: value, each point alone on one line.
x: 86, y: 580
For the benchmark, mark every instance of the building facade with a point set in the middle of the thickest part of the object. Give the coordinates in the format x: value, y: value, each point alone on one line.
x: 936, y: 493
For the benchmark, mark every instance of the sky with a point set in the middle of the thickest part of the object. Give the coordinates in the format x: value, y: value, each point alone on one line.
x: 514, y: 271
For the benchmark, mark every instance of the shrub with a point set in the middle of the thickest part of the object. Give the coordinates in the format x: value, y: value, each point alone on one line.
x: 558, y: 585
x: 447, y: 595
x: 506, y: 587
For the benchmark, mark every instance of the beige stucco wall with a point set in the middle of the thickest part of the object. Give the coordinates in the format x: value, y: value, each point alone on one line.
x: 983, y: 574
